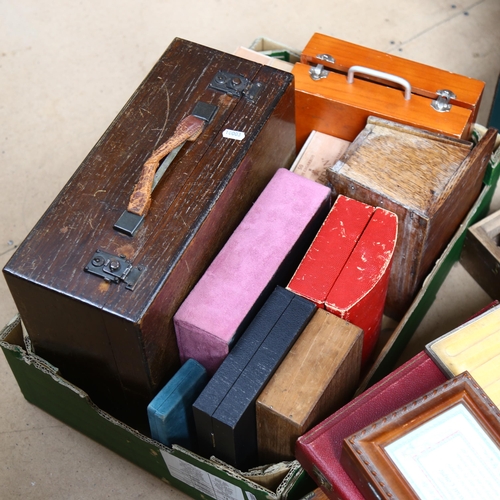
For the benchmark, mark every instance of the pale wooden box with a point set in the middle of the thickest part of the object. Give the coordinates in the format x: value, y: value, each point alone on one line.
x: 318, y: 376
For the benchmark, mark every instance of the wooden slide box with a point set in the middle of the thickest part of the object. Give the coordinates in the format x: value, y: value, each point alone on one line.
x: 48, y: 391
x: 116, y: 343
x: 445, y: 444
x: 43, y: 387
x: 224, y: 413
x: 347, y: 267
x: 318, y: 153
x: 429, y: 181
x: 398, y: 340
x: 481, y: 254
x: 317, y: 377
x: 472, y: 347
x: 327, y: 102
x: 263, y: 252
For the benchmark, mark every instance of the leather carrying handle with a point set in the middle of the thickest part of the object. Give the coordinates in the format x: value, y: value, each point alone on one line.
x: 189, y: 129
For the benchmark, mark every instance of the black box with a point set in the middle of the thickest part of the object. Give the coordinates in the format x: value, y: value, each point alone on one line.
x: 225, y: 411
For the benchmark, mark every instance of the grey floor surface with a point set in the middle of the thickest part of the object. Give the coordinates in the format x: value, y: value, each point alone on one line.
x: 67, y: 68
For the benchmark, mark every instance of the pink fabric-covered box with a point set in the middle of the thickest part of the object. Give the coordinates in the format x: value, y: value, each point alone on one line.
x: 264, y: 251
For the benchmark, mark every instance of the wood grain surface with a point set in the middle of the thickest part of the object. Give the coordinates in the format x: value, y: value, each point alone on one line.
x: 118, y: 344
x: 427, y: 180
x: 317, y: 377
x: 481, y: 254
x: 425, y: 80
x: 335, y: 107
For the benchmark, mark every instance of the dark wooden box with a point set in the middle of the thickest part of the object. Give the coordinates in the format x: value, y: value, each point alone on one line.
x: 116, y: 340
x: 481, y: 253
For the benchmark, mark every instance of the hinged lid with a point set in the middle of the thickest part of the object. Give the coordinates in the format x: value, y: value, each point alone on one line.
x: 82, y: 217
x: 338, y: 55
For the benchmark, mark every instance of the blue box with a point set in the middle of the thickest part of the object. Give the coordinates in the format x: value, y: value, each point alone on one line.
x: 170, y: 413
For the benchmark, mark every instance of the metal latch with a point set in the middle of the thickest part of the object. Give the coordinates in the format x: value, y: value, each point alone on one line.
x: 114, y: 269
x: 318, y: 72
x: 326, y: 57
x: 442, y: 103
x: 236, y: 85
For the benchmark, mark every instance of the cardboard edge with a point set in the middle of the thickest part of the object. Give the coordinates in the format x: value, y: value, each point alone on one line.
x: 11, y: 342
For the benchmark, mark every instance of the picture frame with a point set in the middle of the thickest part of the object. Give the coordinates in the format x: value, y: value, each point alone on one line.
x: 473, y: 347
x: 444, y: 445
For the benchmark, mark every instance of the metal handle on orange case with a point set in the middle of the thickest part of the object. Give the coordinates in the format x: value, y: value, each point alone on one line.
x: 380, y: 74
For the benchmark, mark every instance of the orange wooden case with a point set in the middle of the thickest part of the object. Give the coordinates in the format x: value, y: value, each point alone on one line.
x: 333, y: 106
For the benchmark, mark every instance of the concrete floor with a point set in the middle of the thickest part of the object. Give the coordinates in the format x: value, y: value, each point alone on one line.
x: 66, y: 69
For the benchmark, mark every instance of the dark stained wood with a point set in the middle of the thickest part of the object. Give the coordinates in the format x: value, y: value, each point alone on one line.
x: 73, y: 316
x: 481, y: 254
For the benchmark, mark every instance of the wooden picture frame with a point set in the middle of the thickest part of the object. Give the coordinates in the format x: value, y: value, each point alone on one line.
x: 445, y: 444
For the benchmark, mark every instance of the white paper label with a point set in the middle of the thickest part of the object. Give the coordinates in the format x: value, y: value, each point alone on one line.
x: 233, y: 134
x: 203, y: 481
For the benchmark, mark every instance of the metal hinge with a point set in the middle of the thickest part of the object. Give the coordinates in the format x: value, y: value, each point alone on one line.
x: 114, y: 269
x: 321, y: 479
x: 236, y: 85
x: 442, y: 103
x: 318, y: 72
x: 326, y: 57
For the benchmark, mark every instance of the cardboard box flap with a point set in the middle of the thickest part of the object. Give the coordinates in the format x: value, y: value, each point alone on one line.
x: 195, y: 476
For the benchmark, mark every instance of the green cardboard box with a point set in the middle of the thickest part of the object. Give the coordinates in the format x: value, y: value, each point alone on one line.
x: 200, y: 478
x: 42, y: 386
